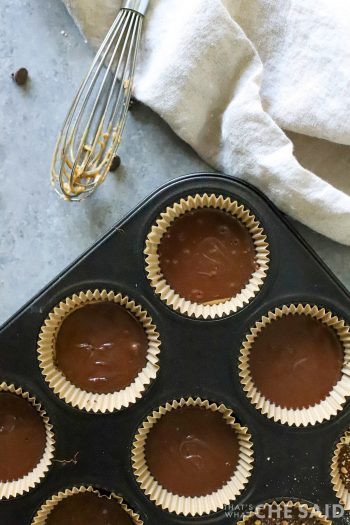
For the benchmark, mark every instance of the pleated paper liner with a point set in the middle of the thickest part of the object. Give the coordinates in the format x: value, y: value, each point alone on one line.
x: 283, y: 507
x: 22, y: 485
x: 317, y: 413
x: 45, y: 510
x: 89, y: 401
x: 191, y: 506
x: 342, y: 492
x: 212, y: 309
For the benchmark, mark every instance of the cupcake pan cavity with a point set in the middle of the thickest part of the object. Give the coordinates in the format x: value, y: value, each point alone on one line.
x: 230, y: 491
x: 19, y: 486
x: 49, y: 505
x: 198, y: 358
x: 76, y: 396
x: 340, y: 488
x: 212, y: 309
x: 336, y: 397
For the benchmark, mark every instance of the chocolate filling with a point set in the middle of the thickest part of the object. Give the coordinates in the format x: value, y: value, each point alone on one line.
x: 296, y: 361
x: 101, y: 347
x: 207, y: 255
x: 22, y: 437
x: 192, y: 451
x: 344, y: 465
x: 86, y: 508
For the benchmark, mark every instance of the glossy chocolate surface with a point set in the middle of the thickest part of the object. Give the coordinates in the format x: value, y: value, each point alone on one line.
x: 192, y: 451
x: 282, y: 515
x: 296, y: 361
x: 101, y: 347
x: 344, y: 465
x: 207, y: 255
x: 22, y: 437
x: 88, y: 508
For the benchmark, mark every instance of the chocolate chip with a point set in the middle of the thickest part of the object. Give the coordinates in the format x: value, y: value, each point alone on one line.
x: 115, y: 163
x: 133, y: 102
x: 21, y: 76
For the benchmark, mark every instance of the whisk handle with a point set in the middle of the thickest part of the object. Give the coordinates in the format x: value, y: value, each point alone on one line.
x: 140, y: 6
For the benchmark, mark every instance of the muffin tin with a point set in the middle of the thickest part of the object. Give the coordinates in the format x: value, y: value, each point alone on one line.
x: 198, y: 357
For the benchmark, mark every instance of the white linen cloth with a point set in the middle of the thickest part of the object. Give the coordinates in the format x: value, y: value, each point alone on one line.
x: 228, y: 75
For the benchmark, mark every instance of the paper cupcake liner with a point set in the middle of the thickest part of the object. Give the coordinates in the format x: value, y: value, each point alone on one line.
x: 212, y: 309
x: 94, y: 402
x: 12, y: 489
x: 342, y: 493
x: 319, y: 412
x: 191, y: 506
x: 312, y: 512
x: 43, y: 513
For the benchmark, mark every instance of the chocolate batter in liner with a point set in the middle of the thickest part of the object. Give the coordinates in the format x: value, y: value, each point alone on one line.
x: 47, y: 507
x: 90, y: 401
x: 199, y: 505
x: 319, y: 412
x: 283, y: 508
x: 211, y: 309
x: 340, y: 470
x: 22, y: 485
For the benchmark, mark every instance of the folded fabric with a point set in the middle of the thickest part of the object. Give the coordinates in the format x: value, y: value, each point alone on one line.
x: 228, y: 75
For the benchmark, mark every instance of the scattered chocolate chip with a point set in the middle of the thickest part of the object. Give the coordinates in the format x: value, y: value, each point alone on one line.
x: 115, y: 163
x: 133, y: 102
x: 21, y: 76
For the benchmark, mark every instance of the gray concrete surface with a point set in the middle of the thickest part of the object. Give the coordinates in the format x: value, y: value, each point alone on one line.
x: 39, y: 233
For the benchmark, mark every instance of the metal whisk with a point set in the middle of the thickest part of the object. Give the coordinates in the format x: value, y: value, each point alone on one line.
x: 94, y: 125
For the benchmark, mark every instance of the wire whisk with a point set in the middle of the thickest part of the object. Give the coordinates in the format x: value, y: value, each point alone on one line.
x: 93, y: 128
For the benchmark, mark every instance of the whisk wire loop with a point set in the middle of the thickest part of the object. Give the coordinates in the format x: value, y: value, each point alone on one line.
x: 94, y: 125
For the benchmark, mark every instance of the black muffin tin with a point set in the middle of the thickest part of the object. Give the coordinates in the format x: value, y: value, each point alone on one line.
x: 198, y: 358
